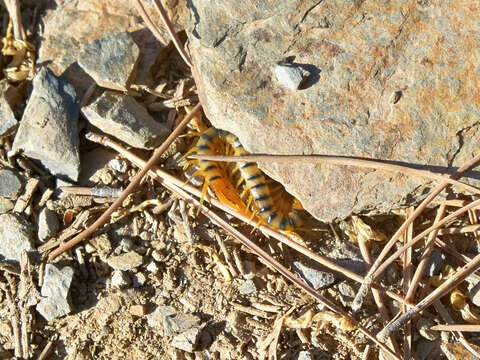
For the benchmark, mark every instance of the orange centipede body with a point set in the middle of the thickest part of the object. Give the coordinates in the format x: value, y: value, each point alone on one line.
x: 213, y: 141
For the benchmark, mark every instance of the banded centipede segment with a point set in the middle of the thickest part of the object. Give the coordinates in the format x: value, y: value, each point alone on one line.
x: 256, y: 197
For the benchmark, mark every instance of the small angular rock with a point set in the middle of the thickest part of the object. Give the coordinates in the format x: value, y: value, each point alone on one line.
x: 290, y: 76
x: 15, y: 236
x: 118, y: 165
x: 304, y: 355
x: 111, y: 61
x: 10, y: 184
x: 138, y: 310
x: 435, y: 263
x: 315, y: 278
x: 5, y: 205
x: 247, y: 287
x: 187, y: 341
x: 48, y: 224
x: 7, y: 119
x: 120, y: 279
x: 127, y: 261
x: 172, y: 321
x: 48, y: 130
x: 121, y: 116
x: 138, y: 280
x: 55, y: 288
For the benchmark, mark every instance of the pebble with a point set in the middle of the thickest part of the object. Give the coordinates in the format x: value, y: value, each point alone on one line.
x: 48, y: 224
x: 123, y: 117
x: 48, y: 130
x: 152, y: 267
x: 423, y: 327
x: 120, y: 279
x: 10, y: 184
x: 111, y: 61
x: 187, y: 341
x: 55, y: 288
x: 138, y: 310
x: 8, y: 123
x: 126, y: 244
x: 127, y: 261
x: 172, y: 321
x: 5, y: 205
x: 138, y: 280
x: 118, y: 165
x: 247, y: 287
x: 435, y: 263
x: 15, y: 237
x: 291, y: 76
x: 304, y: 355
x: 315, y: 278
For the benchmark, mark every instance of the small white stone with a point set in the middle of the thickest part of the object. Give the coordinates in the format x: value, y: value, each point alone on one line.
x: 152, y: 267
x: 138, y: 280
x: 120, y: 279
x: 290, y: 76
x: 118, y: 165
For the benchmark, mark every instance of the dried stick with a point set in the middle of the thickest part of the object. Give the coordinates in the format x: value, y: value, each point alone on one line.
x: 347, y: 161
x: 150, y: 24
x: 407, y: 275
x: 448, y: 285
x: 135, y: 181
x: 155, y: 171
x: 456, y: 327
x: 417, y: 277
x: 171, y: 31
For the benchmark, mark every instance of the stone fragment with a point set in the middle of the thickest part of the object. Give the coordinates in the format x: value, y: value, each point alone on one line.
x: 111, y: 61
x: 118, y: 165
x: 8, y: 122
x: 121, y: 116
x: 187, y: 341
x: 10, y: 184
x: 138, y: 280
x: 377, y: 89
x: 152, y: 267
x: 304, y: 355
x: 423, y: 327
x: 48, y: 224
x: 290, y: 76
x: 247, y: 287
x: 55, y: 288
x: 120, y: 279
x: 5, y: 205
x: 138, y: 310
x: 48, y: 130
x: 172, y: 321
x: 107, y: 307
x: 15, y: 237
x: 127, y: 261
x: 435, y: 263
x: 315, y: 278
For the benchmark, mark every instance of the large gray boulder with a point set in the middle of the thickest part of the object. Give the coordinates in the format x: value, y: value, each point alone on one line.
x: 396, y: 82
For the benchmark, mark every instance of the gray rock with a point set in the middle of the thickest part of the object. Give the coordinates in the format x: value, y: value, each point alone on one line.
x: 187, y: 341
x: 376, y: 90
x: 474, y: 293
x: 48, y: 130
x: 118, y: 165
x: 247, y: 287
x: 121, y: 116
x: 172, y: 321
x: 290, y: 76
x: 55, y: 288
x: 304, y: 355
x: 48, y: 224
x: 8, y: 123
x: 5, y: 205
x: 15, y: 237
x: 315, y: 278
x: 111, y: 61
x: 126, y: 244
x: 435, y: 263
x: 51, y: 308
x: 127, y: 261
x: 423, y: 327
x: 120, y: 279
x: 10, y: 184
x: 138, y: 280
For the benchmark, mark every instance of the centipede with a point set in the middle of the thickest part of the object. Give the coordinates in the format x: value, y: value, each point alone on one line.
x: 243, y: 186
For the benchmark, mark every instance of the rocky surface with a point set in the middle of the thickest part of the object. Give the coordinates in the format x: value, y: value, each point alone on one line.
x: 55, y: 288
x: 125, y: 261
x: 172, y: 321
x: 315, y: 278
x: 383, y: 84
x: 111, y: 61
x: 121, y: 116
x: 8, y: 122
x: 48, y: 224
x: 48, y: 130
x: 10, y: 184
x: 15, y: 237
